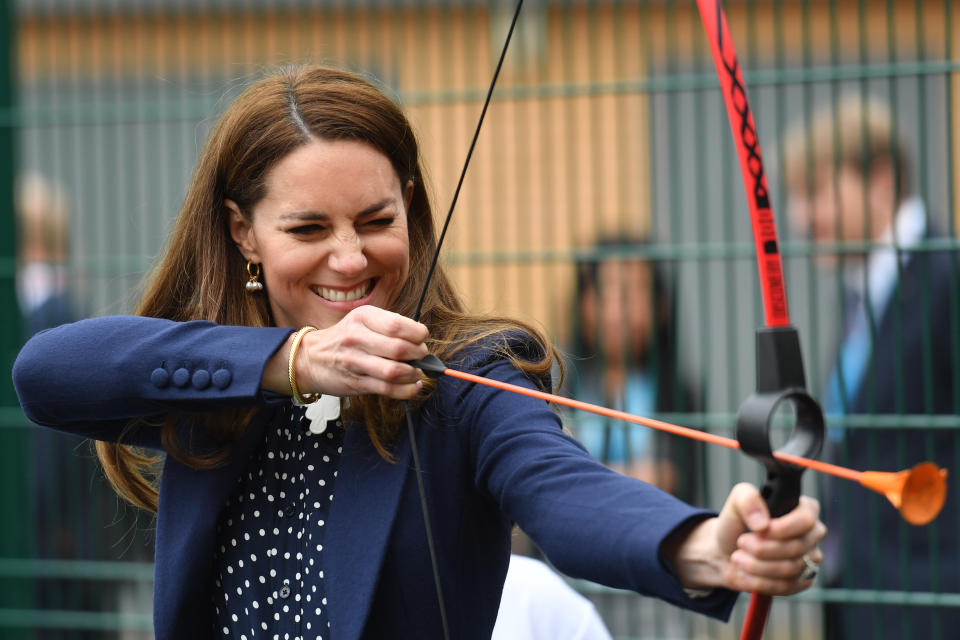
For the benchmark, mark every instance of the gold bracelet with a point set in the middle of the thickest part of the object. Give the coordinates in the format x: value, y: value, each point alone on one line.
x: 305, y: 398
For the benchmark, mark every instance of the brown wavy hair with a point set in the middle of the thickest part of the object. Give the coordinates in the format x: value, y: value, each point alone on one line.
x: 200, y: 275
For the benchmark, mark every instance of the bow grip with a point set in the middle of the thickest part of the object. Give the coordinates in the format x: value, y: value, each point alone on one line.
x: 780, y: 379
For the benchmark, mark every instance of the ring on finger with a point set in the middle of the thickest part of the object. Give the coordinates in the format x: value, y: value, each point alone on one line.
x: 810, y: 569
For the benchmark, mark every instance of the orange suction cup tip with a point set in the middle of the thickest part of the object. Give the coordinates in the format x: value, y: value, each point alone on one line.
x: 919, y: 493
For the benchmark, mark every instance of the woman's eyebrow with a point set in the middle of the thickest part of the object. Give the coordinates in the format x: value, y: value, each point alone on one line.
x: 302, y: 216
x: 376, y: 207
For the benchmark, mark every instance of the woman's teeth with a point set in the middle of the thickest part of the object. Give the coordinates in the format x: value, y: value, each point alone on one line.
x: 338, y: 295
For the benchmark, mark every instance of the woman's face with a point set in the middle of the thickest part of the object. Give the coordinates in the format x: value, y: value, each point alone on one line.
x: 618, y: 313
x: 330, y: 234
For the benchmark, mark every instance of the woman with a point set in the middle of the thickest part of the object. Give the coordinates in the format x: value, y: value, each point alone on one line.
x: 309, y: 189
x: 625, y: 349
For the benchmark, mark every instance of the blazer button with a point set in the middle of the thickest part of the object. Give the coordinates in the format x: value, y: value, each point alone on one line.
x: 160, y: 378
x: 222, y: 378
x: 290, y: 510
x: 201, y: 379
x: 181, y: 377
x: 284, y: 592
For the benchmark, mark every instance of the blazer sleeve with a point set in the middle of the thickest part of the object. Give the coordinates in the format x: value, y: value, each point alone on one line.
x: 591, y: 522
x: 92, y: 377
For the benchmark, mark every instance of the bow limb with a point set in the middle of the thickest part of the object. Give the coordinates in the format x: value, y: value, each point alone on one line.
x: 751, y: 163
x: 779, y: 364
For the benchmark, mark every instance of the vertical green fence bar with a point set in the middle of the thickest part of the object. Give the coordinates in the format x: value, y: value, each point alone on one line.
x: 14, y: 534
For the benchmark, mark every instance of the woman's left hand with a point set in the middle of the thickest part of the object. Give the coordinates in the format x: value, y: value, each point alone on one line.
x: 744, y: 549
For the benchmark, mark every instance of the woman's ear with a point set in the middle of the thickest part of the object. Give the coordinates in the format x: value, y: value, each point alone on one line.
x: 241, y: 230
x: 408, y: 195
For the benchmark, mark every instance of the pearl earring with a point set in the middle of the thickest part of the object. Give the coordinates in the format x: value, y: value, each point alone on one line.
x: 253, y: 284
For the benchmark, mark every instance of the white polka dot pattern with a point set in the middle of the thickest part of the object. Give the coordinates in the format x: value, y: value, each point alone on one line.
x: 269, y: 552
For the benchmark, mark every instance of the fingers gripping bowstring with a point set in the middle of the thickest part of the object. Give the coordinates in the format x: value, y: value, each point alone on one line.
x: 416, y: 316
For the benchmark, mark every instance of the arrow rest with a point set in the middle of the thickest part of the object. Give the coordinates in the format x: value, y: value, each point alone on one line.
x: 780, y: 379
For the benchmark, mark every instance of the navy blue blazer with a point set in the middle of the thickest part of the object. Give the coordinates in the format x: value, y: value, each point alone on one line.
x: 490, y: 458
x: 912, y: 370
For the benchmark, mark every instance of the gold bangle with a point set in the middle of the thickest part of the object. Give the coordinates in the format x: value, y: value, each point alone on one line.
x: 298, y: 398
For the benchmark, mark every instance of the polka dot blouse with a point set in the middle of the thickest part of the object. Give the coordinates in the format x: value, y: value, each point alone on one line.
x: 269, y: 552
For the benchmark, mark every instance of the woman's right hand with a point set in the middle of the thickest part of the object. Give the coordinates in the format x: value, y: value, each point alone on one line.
x: 366, y: 352
x: 745, y: 549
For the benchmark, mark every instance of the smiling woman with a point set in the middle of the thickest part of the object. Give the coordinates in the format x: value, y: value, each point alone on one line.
x: 311, y: 182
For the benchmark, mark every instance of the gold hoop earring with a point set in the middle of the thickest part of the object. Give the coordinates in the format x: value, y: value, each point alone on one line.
x: 253, y: 284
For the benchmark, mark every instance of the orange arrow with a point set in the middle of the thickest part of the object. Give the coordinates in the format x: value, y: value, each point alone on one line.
x: 918, y: 493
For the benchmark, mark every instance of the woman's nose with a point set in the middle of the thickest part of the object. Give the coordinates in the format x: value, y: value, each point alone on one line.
x: 347, y: 256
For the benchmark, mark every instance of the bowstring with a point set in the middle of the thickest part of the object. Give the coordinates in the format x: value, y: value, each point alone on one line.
x: 416, y: 316
x: 466, y: 163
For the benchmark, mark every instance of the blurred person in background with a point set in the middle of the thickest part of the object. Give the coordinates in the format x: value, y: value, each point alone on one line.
x: 624, y: 356
x: 72, y: 505
x: 538, y: 604
x: 848, y: 177
x: 58, y: 466
x: 43, y: 225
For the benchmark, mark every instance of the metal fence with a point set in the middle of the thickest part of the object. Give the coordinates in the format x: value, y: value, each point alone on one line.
x: 607, y: 123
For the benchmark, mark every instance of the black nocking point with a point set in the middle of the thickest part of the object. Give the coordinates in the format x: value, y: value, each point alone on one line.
x: 430, y: 365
